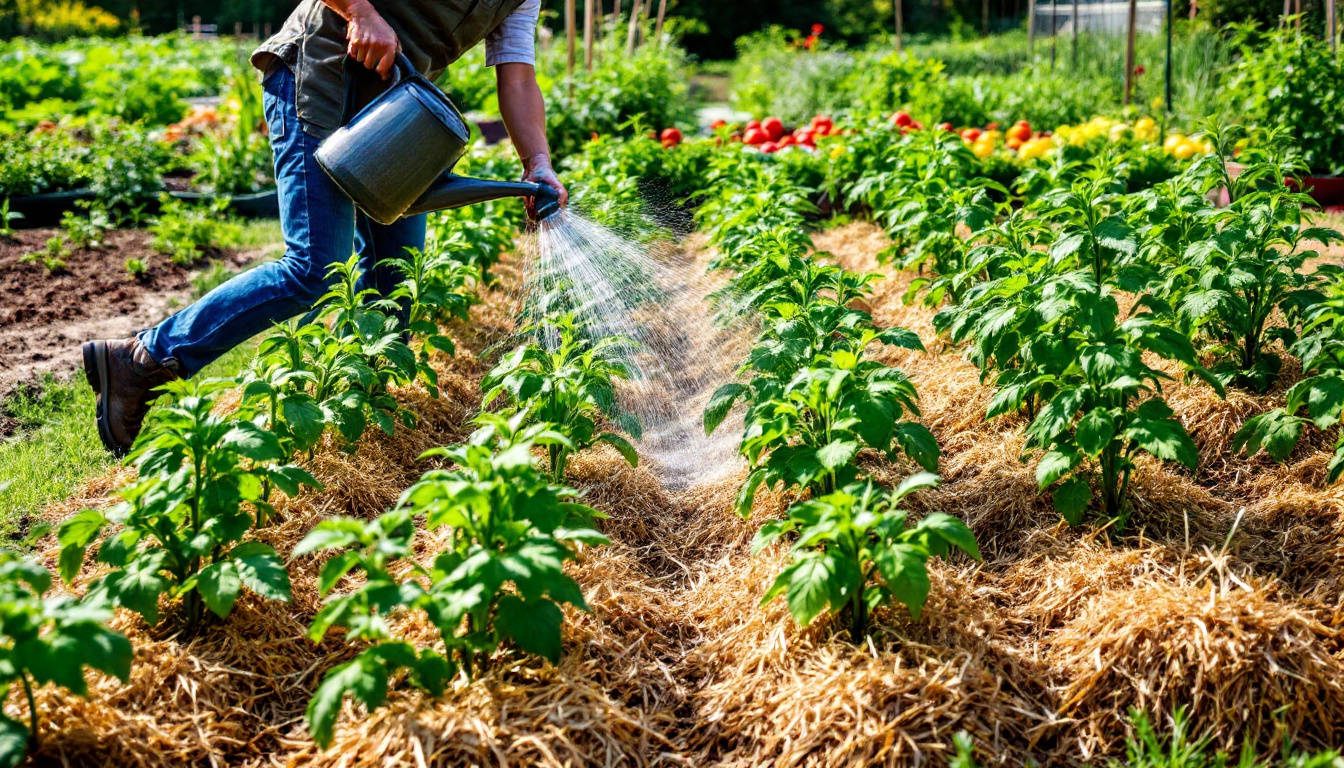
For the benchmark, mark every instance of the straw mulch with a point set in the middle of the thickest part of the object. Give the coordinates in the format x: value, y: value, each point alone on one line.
x: 1224, y: 596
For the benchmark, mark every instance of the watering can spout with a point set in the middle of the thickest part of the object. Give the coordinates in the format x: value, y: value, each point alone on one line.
x: 454, y: 191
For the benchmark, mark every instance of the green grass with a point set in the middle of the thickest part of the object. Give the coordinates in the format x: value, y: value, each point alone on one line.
x: 260, y: 233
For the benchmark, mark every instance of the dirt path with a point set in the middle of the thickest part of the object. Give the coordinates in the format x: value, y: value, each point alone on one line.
x: 44, y: 315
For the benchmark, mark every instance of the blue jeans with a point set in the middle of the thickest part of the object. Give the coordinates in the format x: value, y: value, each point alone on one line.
x: 321, y: 227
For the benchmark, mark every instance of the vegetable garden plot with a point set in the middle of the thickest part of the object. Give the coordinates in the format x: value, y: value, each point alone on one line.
x: 676, y: 659
x: 685, y: 652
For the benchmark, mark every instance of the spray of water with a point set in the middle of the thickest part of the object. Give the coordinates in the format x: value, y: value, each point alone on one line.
x: 651, y: 293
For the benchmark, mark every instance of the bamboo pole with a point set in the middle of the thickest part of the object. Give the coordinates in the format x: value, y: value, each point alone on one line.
x: 1031, y: 30
x: 900, y: 43
x: 634, y: 29
x: 1129, y: 51
x: 588, y: 35
x: 658, y: 27
x: 569, y: 37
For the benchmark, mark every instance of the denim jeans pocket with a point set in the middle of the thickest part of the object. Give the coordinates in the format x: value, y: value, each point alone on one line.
x: 277, y: 86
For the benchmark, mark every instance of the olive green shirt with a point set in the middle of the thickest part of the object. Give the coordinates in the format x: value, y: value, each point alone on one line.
x: 312, y: 43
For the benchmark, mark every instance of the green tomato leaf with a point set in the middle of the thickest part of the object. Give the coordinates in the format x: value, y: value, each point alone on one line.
x: 534, y: 626
x: 1071, y: 499
x: 261, y: 570
x: 219, y: 586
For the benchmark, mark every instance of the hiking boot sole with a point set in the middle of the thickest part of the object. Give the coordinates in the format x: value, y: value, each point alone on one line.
x: 95, y: 371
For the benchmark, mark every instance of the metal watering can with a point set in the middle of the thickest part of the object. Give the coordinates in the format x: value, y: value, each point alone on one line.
x: 395, y: 157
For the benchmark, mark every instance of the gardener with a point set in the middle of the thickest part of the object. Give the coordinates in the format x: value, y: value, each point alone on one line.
x: 304, y: 92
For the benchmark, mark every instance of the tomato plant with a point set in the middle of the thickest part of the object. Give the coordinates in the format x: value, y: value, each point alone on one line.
x: 182, y: 523
x: 498, y: 577
x: 48, y: 640
x: 568, y: 382
x: 854, y: 552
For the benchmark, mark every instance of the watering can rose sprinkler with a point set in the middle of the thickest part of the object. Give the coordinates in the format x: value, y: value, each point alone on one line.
x: 395, y: 158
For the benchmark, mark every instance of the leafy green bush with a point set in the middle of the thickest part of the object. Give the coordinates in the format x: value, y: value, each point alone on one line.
x: 653, y: 85
x: 135, y: 79
x: 854, y: 552
x: 1290, y: 81
x: 567, y: 383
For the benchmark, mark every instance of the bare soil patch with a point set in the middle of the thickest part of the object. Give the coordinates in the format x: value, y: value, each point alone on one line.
x: 44, y: 315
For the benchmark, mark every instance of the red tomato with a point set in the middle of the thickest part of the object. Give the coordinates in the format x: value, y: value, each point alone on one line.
x: 717, y: 124
x: 773, y: 127
x: 671, y: 134
x: 1020, y: 131
x: 769, y: 147
x: 945, y: 127
x: 752, y: 124
x: 805, y: 137
x: 787, y: 140
x: 668, y: 143
x: 992, y: 127
x: 918, y: 126
x: 755, y: 136
x: 903, y: 119
x: 970, y: 134
x: 823, y: 120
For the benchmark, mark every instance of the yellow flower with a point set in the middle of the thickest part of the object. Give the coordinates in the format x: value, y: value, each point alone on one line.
x: 837, y: 151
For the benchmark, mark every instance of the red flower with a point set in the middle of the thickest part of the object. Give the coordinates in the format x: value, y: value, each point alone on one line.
x: 1139, y: 70
x: 817, y: 29
x: 810, y: 41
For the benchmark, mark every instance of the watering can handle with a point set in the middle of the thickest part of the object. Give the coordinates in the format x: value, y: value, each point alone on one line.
x: 401, y: 70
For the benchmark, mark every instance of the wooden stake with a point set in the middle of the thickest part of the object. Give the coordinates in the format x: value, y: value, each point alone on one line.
x: 1054, y: 31
x: 658, y: 27
x: 634, y: 29
x: 984, y: 18
x: 588, y: 35
x: 1073, y: 55
x: 1330, y: 32
x: 1129, y: 51
x: 1031, y: 30
x: 900, y: 44
x: 899, y: 31
x: 569, y: 35
x: 616, y: 17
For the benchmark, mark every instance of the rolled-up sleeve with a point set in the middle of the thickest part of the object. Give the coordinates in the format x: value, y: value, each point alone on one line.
x: 514, y: 41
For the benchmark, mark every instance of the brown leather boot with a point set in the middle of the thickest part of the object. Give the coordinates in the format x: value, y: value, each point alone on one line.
x: 124, y: 376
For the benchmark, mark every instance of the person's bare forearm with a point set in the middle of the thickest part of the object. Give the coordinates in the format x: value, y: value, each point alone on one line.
x: 524, y: 112
x: 523, y: 109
